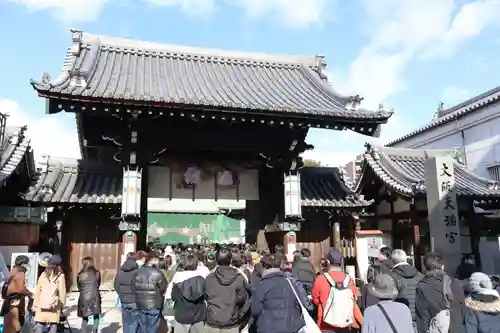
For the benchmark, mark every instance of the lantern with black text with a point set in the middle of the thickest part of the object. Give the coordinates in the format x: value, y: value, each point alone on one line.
x: 131, y: 195
x: 293, y: 205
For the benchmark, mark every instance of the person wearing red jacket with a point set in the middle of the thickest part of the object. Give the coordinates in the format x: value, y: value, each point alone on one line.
x: 321, y: 290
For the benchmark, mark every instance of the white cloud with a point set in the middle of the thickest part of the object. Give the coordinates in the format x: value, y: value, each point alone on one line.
x: 294, y: 13
x: 453, y: 95
x: 53, y: 135
x: 400, y: 32
x: 191, y: 7
x: 67, y: 10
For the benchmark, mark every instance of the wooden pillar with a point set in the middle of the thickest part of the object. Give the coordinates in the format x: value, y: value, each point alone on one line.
x: 415, y: 223
x: 474, y: 220
x: 336, y: 236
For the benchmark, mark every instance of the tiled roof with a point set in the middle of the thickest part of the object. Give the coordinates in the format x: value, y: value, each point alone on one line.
x: 402, y: 170
x: 325, y: 187
x: 15, y: 147
x: 116, y: 69
x: 72, y: 181
x: 454, y: 112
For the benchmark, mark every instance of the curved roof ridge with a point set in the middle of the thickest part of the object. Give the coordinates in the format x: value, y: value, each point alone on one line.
x: 313, y: 61
x: 312, y: 66
x: 21, y: 146
x: 344, y: 176
x: 381, y: 151
x: 373, y: 160
x: 492, y: 184
x: 413, y: 152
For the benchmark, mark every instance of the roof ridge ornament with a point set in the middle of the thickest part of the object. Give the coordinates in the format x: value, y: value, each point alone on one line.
x: 354, y: 102
x: 320, y: 67
x: 45, y: 83
x: 457, y: 155
x: 439, y: 111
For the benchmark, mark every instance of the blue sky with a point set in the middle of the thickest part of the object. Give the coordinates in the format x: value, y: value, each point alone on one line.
x: 408, y: 54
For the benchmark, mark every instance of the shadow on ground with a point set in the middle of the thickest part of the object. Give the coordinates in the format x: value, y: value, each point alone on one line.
x: 111, y: 328
x: 75, y: 327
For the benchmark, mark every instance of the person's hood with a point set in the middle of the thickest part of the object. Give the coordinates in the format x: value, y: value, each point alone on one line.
x: 483, y: 303
x: 387, y: 262
x: 211, y: 265
x: 226, y: 275
x: 301, y: 260
x: 129, y: 265
x: 181, y: 276
x: 405, y: 271
x: 434, y: 279
x: 272, y: 273
x: 193, y: 288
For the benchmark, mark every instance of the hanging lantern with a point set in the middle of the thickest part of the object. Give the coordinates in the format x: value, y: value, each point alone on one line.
x: 131, y: 195
x: 293, y: 204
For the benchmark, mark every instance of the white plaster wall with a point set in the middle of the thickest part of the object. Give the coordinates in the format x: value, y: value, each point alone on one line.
x: 480, y: 142
x: 160, y: 187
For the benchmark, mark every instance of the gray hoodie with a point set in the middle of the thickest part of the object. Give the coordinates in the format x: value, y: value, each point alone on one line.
x: 374, y: 320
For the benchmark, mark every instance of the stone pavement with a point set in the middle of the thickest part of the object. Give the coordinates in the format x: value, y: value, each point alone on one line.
x: 111, y: 321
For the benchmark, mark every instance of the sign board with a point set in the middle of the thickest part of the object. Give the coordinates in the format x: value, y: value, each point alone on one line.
x: 289, y: 226
x: 129, y: 226
x: 131, y: 193
x: 443, y: 210
x: 31, y: 269
x: 293, y: 198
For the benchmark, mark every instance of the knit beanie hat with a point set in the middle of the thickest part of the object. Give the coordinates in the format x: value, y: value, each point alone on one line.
x: 480, y: 283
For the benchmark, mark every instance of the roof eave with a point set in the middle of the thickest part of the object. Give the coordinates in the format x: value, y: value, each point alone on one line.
x: 374, y: 119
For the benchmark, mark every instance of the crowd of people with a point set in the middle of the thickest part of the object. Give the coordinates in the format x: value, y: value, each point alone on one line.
x: 226, y: 289
x: 234, y: 289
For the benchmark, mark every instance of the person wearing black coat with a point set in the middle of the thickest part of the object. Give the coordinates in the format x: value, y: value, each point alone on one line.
x: 188, y: 294
x: 123, y: 287
x: 385, y: 261
x: 89, y: 300
x: 227, y: 296
x: 274, y: 298
x: 431, y: 296
x: 407, y: 278
x: 149, y: 286
x: 304, y: 271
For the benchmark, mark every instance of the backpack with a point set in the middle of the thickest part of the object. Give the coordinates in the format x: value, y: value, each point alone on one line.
x: 49, y: 295
x: 339, y: 308
x: 441, y: 321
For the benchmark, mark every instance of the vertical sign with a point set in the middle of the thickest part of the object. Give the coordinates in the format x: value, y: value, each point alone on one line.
x: 293, y: 199
x: 131, y: 195
x: 443, y: 210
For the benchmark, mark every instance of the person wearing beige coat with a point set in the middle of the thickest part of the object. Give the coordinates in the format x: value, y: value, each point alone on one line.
x: 52, y: 275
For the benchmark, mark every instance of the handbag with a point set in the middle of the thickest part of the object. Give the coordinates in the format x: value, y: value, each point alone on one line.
x: 387, y: 318
x: 310, y: 326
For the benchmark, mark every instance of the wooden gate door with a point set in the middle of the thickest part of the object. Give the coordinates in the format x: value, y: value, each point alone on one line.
x: 93, y: 235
